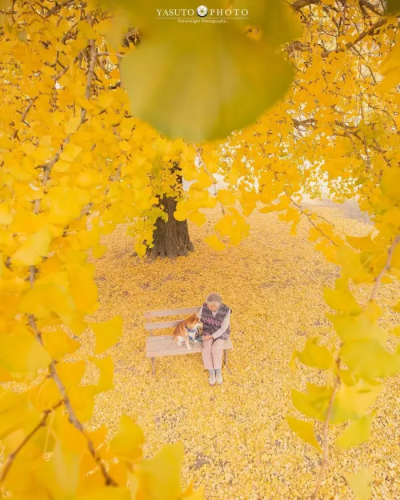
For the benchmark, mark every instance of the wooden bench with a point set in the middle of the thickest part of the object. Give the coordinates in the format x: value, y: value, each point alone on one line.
x: 164, y: 345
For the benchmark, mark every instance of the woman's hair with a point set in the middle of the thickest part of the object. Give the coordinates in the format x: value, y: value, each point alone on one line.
x: 214, y: 297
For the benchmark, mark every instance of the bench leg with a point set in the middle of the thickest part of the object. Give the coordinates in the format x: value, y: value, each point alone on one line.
x: 226, y: 359
x: 153, y: 366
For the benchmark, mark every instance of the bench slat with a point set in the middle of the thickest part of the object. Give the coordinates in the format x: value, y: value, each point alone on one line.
x: 164, y: 344
x: 173, y: 350
x: 162, y: 324
x: 158, y: 338
x: 170, y: 312
x: 165, y: 347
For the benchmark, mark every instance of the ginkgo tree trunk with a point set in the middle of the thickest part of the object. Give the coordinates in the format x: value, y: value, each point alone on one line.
x: 171, y: 237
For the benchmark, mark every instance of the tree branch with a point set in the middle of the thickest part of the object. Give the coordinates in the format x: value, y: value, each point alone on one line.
x: 71, y: 412
x: 370, y: 6
x: 24, y: 114
x: 370, y: 31
x: 300, y: 4
x: 385, y: 268
x: 12, y: 456
x: 300, y: 208
x: 325, y: 459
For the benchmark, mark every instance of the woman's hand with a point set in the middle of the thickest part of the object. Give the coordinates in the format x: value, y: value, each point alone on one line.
x: 207, y: 337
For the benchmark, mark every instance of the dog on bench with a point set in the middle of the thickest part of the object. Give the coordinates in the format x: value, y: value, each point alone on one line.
x: 189, y: 330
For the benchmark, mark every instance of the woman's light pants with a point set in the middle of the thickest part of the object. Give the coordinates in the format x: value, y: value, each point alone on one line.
x: 212, y: 353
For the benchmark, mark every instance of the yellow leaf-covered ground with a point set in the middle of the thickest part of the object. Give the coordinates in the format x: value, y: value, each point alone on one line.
x: 237, y: 441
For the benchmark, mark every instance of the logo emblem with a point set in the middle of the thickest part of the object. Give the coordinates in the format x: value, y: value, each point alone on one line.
x: 202, y: 11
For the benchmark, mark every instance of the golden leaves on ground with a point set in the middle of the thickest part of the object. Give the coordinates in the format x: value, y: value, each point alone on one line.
x: 237, y: 441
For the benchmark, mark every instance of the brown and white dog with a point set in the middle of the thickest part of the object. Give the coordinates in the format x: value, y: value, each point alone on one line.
x: 187, y: 330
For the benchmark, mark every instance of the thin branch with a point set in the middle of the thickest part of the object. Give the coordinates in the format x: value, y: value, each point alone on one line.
x: 66, y: 68
x: 57, y: 7
x: 89, y: 79
x: 303, y: 123
x: 12, y: 456
x: 24, y: 114
x: 71, y: 412
x: 325, y: 459
x: 117, y: 54
x: 385, y: 268
x: 300, y: 4
x: 300, y: 208
x: 370, y: 6
x: 370, y: 31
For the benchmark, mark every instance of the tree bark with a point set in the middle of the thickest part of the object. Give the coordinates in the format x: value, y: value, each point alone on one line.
x: 170, y: 239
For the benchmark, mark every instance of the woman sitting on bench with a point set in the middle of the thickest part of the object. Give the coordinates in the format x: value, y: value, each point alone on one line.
x: 216, y: 329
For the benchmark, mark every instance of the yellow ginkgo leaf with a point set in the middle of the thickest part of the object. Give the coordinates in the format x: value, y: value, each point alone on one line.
x: 70, y: 153
x: 82, y: 400
x: 98, y: 436
x: 72, y: 125
x: 342, y: 301
x: 49, y: 298
x: 305, y: 431
x: 159, y: 477
x: 45, y: 395
x: 127, y: 443
x: 314, y: 404
x: 106, y: 367
x: 352, y: 401
x: 98, y: 251
x: 197, y: 217
x: 6, y: 143
x: 107, y: 333
x: 390, y: 182
x: 5, y: 216
x: 226, y: 197
x: 315, y: 355
x: 215, y: 243
x: 105, y: 100
x: 86, y: 29
x: 171, y: 81
x: 33, y: 249
x: 61, y: 473
x: 192, y: 494
x: 67, y: 434
x: 16, y: 412
x: 369, y: 358
x: 357, y: 328
x: 22, y: 353
x: 105, y: 493
x: 357, y: 432
x: 58, y: 343
x: 71, y: 373
x: 125, y: 146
